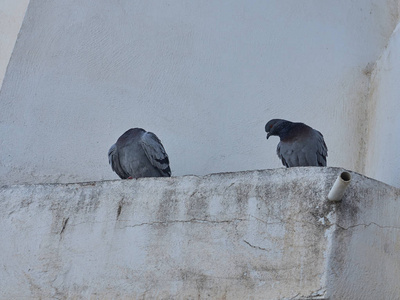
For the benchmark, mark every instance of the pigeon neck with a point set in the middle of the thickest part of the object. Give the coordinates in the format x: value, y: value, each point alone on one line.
x: 286, y: 133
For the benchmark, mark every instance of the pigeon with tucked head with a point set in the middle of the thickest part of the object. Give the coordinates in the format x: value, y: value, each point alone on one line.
x: 138, y: 153
x: 300, y: 145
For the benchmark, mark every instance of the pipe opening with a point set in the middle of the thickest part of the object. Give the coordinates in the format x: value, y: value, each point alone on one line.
x: 345, y: 176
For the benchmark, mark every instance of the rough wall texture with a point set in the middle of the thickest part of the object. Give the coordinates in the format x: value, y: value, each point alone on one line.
x: 365, y: 257
x: 382, y: 160
x: 250, y: 235
x: 204, y: 76
x: 254, y: 234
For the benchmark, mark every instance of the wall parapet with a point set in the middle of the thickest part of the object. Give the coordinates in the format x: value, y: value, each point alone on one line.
x: 264, y: 234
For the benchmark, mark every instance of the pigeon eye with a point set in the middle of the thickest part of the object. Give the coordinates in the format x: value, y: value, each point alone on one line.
x: 270, y: 126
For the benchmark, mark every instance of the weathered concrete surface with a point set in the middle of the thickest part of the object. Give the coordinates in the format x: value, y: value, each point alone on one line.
x: 382, y: 160
x: 365, y: 258
x: 267, y: 234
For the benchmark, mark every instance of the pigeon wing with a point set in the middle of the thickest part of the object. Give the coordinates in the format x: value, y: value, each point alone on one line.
x: 114, y: 160
x: 298, y: 153
x: 322, y: 150
x: 312, y: 150
x: 155, y: 152
x: 282, y: 155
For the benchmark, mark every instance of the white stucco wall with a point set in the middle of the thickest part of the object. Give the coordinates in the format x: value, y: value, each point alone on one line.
x: 268, y: 234
x: 205, y: 77
x: 11, y: 16
x: 365, y: 257
x: 383, y: 159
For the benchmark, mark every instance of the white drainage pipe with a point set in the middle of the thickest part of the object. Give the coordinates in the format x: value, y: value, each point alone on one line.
x: 337, y: 191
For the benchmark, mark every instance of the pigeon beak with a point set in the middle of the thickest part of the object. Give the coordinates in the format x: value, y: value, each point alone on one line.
x: 268, y: 135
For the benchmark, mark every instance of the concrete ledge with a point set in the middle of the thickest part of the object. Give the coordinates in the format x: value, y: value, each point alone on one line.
x: 267, y: 234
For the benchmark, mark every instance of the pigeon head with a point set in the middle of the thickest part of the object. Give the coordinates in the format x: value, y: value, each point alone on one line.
x: 277, y: 127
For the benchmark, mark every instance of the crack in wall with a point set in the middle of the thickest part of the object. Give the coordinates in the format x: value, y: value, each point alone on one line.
x: 256, y: 247
x: 367, y: 225
x: 265, y: 222
x: 64, y: 225
x: 197, y: 220
x: 317, y: 295
x: 234, y: 220
x: 194, y: 220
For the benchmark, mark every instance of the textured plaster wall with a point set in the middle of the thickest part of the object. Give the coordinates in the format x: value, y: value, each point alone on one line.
x: 224, y: 236
x: 365, y: 251
x: 204, y: 76
x: 383, y: 159
x: 11, y: 16
x: 250, y: 235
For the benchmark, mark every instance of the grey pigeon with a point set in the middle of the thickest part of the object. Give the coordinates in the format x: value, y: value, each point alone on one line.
x: 138, y: 153
x: 300, y: 145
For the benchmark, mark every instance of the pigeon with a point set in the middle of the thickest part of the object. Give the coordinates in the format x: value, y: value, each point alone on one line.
x: 300, y: 145
x: 138, y: 153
